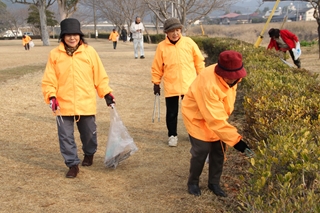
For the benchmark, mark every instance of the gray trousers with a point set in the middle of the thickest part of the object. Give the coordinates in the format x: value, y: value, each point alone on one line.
x: 88, y: 134
x: 199, y: 152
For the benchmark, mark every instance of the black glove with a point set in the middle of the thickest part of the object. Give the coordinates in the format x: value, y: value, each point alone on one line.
x: 109, y: 99
x: 241, y: 146
x: 156, y: 89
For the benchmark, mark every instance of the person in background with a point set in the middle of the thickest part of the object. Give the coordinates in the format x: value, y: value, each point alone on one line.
x: 284, y: 40
x: 25, y: 42
x: 178, y: 60
x: 73, y: 75
x: 124, y: 34
x: 205, y: 109
x: 114, y: 36
x: 137, y: 30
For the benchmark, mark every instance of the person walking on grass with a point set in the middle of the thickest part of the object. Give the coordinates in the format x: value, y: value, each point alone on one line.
x: 137, y: 30
x: 114, y: 36
x: 73, y: 75
x: 205, y: 109
x: 178, y: 60
x: 25, y: 42
x: 124, y: 34
x: 284, y: 40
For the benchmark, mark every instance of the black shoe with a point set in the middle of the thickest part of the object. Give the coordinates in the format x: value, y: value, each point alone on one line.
x: 215, y: 188
x: 194, y: 190
x: 142, y: 57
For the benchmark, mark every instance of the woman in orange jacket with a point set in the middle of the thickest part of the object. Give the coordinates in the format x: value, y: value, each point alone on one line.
x: 178, y: 60
x: 205, y: 109
x: 25, y: 42
x: 74, y: 74
x: 114, y: 36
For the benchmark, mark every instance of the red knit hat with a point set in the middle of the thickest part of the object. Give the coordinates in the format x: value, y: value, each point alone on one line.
x: 230, y: 65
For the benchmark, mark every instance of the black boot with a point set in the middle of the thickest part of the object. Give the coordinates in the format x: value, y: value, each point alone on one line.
x: 216, y: 189
x: 194, y: 190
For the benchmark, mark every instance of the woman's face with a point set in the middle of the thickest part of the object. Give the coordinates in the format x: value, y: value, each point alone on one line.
x: 230, y: 81
x: 174, y: 34
x: 72, y: 40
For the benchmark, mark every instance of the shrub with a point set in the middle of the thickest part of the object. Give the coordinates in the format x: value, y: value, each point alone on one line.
x: 282, y: 116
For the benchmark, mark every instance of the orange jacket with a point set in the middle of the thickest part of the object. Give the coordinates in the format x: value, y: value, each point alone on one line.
x: 207, y: 106
x: 74, y: 80
x: 114, y: 36
x: 26, y: 40
x: 177, y: 64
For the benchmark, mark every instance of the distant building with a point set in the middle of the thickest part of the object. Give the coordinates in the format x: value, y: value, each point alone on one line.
x: 306, y: 14
x: 277, y: 12
x: 12, y: 33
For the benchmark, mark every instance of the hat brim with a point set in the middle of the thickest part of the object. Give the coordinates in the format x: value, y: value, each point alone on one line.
x: 230, y: 74
x: 175, y: 26
x: 73, y: 32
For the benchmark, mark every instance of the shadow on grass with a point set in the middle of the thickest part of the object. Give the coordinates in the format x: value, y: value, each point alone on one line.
x: 17, y: 72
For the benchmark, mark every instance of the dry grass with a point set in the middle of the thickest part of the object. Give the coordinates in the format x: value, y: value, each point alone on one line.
x: 250, y: 32
x: 152, y: 180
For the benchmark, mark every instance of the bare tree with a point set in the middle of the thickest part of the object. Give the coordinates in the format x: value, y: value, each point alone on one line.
x: 16, y: 19
x: 187, y: 11
x: 67, y: 8
x: 42, y: 5
x: 121, y: 12
x: 316, y: 15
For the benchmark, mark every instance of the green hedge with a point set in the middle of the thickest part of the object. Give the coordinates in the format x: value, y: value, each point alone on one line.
x: 281, y: 106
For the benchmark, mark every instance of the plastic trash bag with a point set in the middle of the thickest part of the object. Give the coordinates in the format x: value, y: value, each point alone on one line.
x: 296, y: 51
x: 120, y: 144
x: 31, y: 44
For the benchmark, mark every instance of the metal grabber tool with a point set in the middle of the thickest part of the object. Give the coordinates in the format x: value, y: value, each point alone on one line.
x: 58, y: 115
x: 156, y: 99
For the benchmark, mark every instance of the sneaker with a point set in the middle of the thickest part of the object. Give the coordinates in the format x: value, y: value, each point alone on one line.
x: 142, y: 57
x: 73, y: 171
x: 87, y: 160
x: 173, y: 140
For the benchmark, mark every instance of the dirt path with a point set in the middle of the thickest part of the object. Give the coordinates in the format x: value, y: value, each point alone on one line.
x: 152, y: 180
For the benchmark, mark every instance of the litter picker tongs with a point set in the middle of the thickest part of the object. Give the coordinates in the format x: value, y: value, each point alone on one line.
x: 58, y: 115
x: 156, y: 99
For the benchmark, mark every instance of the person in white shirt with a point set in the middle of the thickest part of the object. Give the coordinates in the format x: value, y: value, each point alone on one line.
x: 137, y: 29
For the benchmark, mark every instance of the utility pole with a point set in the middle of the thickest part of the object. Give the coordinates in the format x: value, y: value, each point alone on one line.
x: 94, y: 19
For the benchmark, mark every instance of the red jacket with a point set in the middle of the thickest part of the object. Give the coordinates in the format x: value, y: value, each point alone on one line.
x: 288, y: 37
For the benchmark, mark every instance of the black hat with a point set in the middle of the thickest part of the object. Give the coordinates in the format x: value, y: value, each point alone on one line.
x: 230, y: 65
x: 170, y: 24
x: 70, y: 26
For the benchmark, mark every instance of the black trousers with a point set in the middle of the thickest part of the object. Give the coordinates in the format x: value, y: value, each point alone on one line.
x: 172, y: 107
x: 296, y: 62
x: 27, y: 46
x: 199, y: 152
x: 115, y: 45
